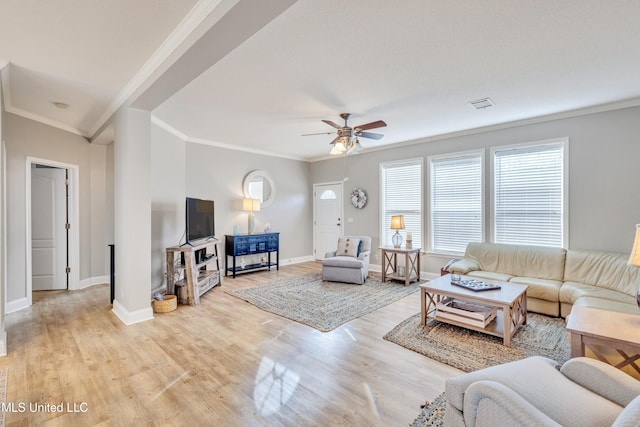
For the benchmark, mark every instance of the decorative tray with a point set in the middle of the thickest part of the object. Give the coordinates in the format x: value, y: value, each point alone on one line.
x: 475, y: 285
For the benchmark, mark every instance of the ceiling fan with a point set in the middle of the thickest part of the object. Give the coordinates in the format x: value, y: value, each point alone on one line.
x: 347, y: 139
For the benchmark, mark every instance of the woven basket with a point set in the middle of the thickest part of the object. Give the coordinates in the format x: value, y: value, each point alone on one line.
x: 170, y: 303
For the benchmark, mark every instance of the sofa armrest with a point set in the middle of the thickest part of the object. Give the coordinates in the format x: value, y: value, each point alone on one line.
x: 602, y: 379
x: 445, y: 268
x: 489, y: 403
x: 365, y: 257
x: 464, y: 266
x: 630, y: 416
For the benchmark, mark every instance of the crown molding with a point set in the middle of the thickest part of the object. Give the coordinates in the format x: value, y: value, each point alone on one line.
x: 178, y: 36
x: 4, y: 83
x: 602, y: 108
x: 175, y: 132
x: 10, y: 108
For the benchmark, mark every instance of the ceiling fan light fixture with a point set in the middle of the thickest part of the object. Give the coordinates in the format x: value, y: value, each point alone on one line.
x: 338, y: 148
x: 356, y: 147
x: 347, y: 141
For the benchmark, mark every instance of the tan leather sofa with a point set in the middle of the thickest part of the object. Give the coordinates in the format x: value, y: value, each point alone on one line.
x: 556, y: 278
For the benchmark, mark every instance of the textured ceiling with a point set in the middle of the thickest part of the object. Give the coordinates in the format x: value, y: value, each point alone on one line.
x: 80, y: 52
x: 414, y: 64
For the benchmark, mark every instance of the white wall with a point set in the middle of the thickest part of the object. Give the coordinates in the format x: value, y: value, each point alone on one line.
x: 604, y: 200
x: 3, y: 248
x: 217, y: 173
x: 100, y: 207
x: 167, y: 199
x: 24, y: 138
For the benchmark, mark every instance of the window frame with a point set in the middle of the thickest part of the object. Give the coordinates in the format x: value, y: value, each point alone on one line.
x: 564, y: 142
x: 381, y: 185
x: 461, y: 154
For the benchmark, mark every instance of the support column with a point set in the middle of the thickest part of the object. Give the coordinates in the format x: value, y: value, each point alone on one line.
x: 132, y: 215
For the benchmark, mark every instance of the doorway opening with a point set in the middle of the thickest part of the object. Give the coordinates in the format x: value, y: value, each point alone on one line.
x: 52, y: 232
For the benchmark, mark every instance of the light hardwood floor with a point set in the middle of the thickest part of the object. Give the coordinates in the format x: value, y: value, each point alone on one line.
x: 223, y: 363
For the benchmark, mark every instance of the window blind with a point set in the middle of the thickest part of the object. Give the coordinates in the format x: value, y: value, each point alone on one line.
x: 456, y: 202
x: 529, y: 195
x: 401, y: 190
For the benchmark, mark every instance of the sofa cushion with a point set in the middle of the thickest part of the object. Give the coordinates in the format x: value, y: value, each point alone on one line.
x: 602, y: 269
x: 490, y: 275
x: 544, y: 289
x: 343, y: 262
x: 348, y: 246
x: 570, y: 292
x: 607, y: 304
x: 518, y: 260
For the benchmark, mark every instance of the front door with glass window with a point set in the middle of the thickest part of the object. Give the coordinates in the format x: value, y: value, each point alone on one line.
x: 327, y: 215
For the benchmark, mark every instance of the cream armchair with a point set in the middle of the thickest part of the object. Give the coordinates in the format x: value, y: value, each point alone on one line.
x: 348, y: 267
x: 538, y: 392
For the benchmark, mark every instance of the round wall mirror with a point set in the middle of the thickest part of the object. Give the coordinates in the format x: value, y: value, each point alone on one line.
x: 259, y: 185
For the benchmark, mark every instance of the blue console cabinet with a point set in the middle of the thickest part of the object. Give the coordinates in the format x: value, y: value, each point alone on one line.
x: 251, y: 244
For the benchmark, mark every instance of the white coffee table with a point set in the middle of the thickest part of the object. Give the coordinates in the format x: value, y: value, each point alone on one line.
x: 510, y: 301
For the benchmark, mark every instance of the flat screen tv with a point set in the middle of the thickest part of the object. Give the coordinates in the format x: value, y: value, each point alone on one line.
x: 200, y: 219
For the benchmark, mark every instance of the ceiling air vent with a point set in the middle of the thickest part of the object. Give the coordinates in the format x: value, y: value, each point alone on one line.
x: 481, y: 104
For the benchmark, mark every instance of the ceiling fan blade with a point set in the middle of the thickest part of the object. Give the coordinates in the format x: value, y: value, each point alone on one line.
x: 372, y: 125
x: 321, y: 133
x: 369, y: 135
x: 330, y: 123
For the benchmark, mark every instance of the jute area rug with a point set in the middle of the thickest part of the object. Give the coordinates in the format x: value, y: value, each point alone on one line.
x: 470, y: 350
x: 323, y: 305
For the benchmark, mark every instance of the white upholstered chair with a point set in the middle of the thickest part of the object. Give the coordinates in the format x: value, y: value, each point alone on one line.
x: 346, y: 264
x: 537, y: 391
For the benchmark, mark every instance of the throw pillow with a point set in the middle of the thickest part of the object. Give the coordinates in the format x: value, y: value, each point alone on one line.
x: 348, y: 247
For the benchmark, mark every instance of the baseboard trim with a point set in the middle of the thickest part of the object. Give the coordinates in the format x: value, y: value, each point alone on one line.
x: 297, y: 260
x: 92, y: 281
x: 131, y: 317
x: 17, y: 305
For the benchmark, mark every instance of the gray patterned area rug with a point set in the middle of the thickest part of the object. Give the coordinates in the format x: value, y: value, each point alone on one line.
x: 323, y: 305
x: 469, y: 350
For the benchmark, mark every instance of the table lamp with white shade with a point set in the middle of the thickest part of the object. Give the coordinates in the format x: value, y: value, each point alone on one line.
x: 251, y: 205
x: 397, y: 223
x: 634, y: 259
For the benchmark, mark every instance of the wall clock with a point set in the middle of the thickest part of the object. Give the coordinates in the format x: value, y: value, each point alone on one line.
x: 359, y: 198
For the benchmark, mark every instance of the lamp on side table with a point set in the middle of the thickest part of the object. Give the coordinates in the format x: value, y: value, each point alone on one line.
x: 397, y: 223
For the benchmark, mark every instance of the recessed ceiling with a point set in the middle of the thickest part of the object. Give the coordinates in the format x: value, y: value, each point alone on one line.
x: 79, y: 52
x: 415, y: 66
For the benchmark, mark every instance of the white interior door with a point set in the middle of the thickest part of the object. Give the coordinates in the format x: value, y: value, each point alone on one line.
x: 48, y: 232
x: 328, y: 221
